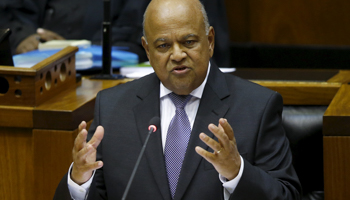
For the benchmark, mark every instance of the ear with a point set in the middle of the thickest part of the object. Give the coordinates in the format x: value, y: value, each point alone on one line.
x: 211, y: 40
x: 145, y: 46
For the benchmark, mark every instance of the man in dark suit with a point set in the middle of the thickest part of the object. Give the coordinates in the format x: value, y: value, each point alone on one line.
x: 251, y: 162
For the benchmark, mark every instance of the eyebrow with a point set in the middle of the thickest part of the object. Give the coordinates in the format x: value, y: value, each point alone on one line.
x: 159, y: 40
x: 190, y: 35
x: 184, y: 38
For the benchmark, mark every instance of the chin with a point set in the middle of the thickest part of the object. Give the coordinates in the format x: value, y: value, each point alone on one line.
x: 183, y: 90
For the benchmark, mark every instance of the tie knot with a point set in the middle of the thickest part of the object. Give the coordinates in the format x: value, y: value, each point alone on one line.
x: 179, y: 101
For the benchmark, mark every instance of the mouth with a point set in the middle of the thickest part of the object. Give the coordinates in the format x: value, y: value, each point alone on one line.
x: 180, y: 69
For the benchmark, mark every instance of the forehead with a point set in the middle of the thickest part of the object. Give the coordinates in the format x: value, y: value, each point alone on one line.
x: 172, y: 20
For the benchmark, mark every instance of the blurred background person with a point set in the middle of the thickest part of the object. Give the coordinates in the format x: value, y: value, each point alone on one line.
x: 32, y: 21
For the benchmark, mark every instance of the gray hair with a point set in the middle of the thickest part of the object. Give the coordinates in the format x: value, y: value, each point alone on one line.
x: 204, y: 13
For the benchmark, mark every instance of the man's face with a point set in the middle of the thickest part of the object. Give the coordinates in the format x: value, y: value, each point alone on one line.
x: 178, y: 47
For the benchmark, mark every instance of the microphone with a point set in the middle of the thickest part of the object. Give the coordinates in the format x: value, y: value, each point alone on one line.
x: 153, y: 125
x: 107, y: 69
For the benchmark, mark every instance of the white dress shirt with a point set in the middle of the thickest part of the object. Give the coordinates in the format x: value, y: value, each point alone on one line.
x: 78, y: 192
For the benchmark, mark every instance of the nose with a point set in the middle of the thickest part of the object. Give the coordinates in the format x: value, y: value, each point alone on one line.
x: 178, y: 54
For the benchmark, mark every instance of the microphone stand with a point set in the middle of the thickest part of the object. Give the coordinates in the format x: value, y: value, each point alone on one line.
x: 107, y: 71
x: 153, y: 124
x: 137, y: 164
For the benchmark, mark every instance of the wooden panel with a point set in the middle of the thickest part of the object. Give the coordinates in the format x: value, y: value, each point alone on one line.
x: 16, y: 116
x: 336, y: 143
x: 336, y: 167
x: 66, y: 110
x: 303, y: 93
x: 52, y: 157
x: 9, y: 70
x: 337, y: 117
x: 57, y: 77
x: 52, y: 152
x: 20, y: 91
x: 30, y: 88
x: 300, y: 22
x: 273, y: 74
x: 323, y: 22
x: 300, y: 86
x: 238, y: 18
x: 16, y: 164
x: 342, y: 77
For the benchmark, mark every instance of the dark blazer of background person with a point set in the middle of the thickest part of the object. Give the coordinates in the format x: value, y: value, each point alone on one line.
x: 78, y: 19
x: 82, y: 19
x: 254, y: 113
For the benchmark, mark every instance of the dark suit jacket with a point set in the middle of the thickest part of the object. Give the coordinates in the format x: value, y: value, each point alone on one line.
x: 253, y: 111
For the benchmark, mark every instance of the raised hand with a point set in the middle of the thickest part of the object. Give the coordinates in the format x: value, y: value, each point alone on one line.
x: 84, y: 154
x: 225, y: 158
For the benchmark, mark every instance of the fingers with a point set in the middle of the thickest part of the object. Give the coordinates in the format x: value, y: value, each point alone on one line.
x: 86, y: 151
x: 225, y: 136
x: 227, y: 128
x: 225, y: 158
x: 213, y: 144
x: 82, y: 126
x: 28, y: 44
x: 95, y: 165
x: 84, y: 154
x: 221, y: 134
x: 86, y: 158
x: 80, y: 140
x: 48, y: 35
x: 216, y: 146
x: 205, y: 154
x: 82, y: 174
x: 97, y: 137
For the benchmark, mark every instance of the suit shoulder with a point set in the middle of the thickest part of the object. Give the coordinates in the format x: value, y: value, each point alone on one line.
x: 133, y: 86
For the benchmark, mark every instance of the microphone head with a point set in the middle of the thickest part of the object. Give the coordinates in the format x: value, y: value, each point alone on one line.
x: 154, y: 123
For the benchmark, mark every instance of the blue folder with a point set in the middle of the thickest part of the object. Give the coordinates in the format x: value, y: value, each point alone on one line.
x: 86, y: 58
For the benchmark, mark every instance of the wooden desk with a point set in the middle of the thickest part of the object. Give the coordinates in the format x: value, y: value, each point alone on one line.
x: 299, y: 87
x: 36, y: 142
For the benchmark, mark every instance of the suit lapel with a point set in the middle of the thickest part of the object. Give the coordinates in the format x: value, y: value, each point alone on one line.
x: 210, y: 110
x: 144, y: 111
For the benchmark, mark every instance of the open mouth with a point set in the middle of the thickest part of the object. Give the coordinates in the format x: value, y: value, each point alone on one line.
x: 180, y: 69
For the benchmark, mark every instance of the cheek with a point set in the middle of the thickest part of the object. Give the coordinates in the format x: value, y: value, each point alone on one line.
x: 201, y: 62
x: 159, y: 65
x: 157, y: 57
x: 159, y: 61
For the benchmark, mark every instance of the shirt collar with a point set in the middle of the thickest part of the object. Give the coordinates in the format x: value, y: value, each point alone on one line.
x: 196, y: 92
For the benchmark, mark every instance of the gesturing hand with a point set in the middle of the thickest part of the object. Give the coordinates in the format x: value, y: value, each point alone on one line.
x: 84, y: 154
x: 225, y: 158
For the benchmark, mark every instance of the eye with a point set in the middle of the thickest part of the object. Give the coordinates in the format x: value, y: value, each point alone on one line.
x: 190, y: 42
x: 162, y: 46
